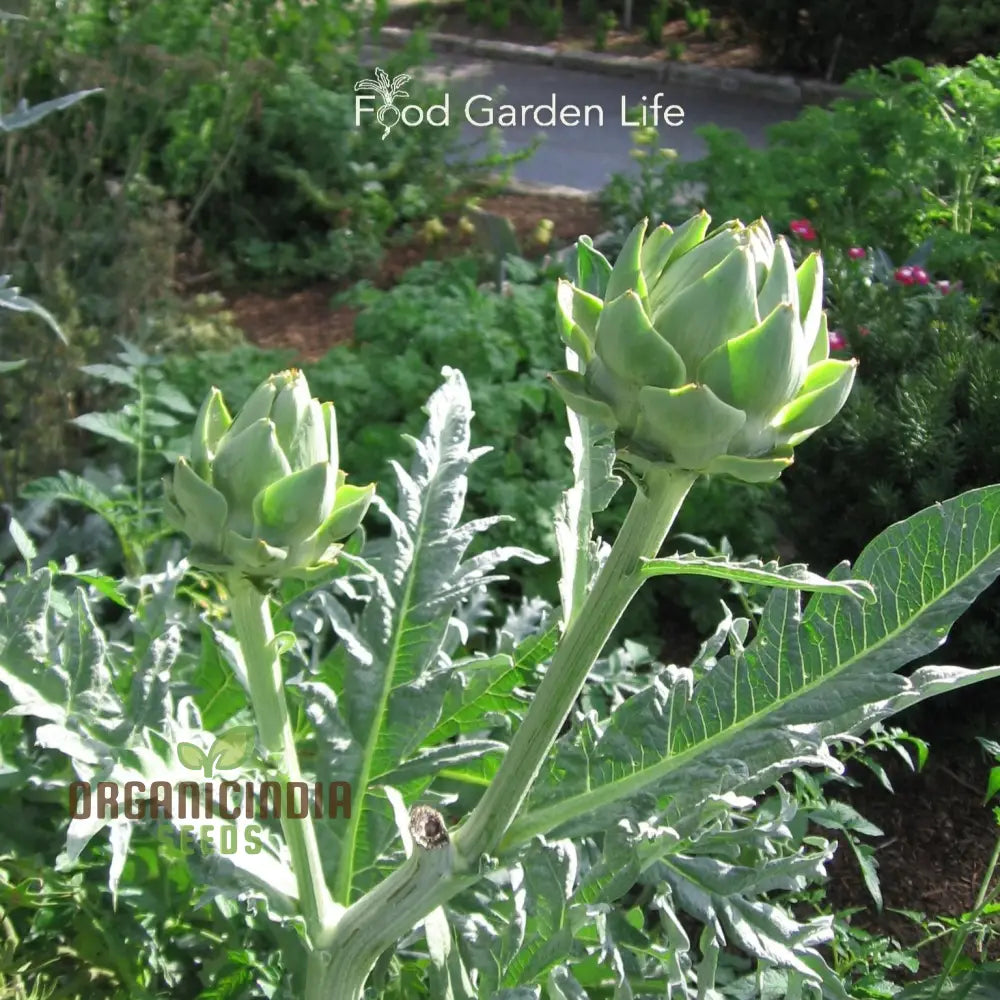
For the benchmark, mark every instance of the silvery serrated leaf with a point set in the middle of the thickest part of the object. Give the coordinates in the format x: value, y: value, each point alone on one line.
x: 120, y: 837
x: 768, y: 703
x: 10, y: 298
x: 430, y: 761
x: 24, y: 115
x: 561, y: 985
x: 392, y: 669
x: 594, y: 486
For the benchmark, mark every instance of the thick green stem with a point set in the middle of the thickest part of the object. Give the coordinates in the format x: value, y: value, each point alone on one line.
x: 430, y: 878
x: 255, y: 632
x: 649, y: 519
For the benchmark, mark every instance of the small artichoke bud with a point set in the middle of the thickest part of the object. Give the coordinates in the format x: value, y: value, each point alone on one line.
x: 706, y: 351
x: 262, y: 493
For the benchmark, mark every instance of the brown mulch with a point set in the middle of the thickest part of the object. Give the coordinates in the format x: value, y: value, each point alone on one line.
x: 939, y: 837
x: 724, y: 46
x: 307, y: 320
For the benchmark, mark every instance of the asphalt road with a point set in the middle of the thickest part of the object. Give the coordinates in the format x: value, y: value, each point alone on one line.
x: 586, y: 142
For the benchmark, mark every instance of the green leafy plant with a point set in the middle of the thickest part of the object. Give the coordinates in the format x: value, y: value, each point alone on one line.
x: 698, y: 19
x: 483, y: 810
x: 546, y: 16
x: 957, y: 973
x: 656, y: 20
x: 498, y: 14
x: 606, y: 23
x: 148, y: 425
x: 11, y: 298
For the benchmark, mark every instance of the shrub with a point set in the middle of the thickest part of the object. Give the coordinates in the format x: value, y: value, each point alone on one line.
x: 835, y: 37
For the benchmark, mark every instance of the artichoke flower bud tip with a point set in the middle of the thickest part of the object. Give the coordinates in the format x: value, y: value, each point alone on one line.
x: 263, y: 494
x: 704, y: 351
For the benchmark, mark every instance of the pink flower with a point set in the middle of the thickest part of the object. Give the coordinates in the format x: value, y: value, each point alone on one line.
x: 944, y: 287
x: 802, y: 228
x: 864, y: 331
x: 857, y: 253
x: 837, y: 341
x: 904, y: 275
x: 920, y: 276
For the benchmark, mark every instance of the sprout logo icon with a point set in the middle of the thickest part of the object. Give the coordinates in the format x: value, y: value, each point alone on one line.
x: 388, y: 114
x: 231, y: 750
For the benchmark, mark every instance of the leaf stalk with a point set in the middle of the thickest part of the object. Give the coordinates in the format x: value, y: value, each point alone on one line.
x: 255, y: 632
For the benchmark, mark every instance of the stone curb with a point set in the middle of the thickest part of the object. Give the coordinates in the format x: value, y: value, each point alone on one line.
x: 515, y: 186
x: 783, y: 89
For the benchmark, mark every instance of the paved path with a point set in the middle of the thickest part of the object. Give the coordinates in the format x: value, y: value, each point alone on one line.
x: 584, y: 156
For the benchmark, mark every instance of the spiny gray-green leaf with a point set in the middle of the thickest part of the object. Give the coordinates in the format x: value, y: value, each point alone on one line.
x: 490, y: 686
x: 429, y: 762
x: 449, y: 978
x: 11, y: 298
x: 549, y: 876
x: 23, y: 115
x: 55, y: 673
x: 561, y: 985
x: 392, y: 701
x: 22, y: 541
x: 767, y: 703
x: 795, y: 576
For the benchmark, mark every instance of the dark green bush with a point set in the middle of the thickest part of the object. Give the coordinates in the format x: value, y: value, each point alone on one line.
x: 833, y: 38
x: 918, y: 158
x: 244, y: 114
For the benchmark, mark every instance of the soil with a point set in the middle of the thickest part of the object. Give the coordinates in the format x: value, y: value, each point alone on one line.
x: 938, y: 835
x: 310, y: 322
x: 937, y: 843
x: 723, y: 44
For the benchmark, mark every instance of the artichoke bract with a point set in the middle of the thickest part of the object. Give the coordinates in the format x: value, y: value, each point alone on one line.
x: 262, y: 493
x: 705, y: 353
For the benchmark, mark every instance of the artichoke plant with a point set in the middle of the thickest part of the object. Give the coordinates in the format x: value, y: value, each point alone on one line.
x: 262, y: 494
x: 705, y: 353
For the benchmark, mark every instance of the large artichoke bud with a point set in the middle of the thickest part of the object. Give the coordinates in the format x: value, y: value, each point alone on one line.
x: 262, y: 494
x: 709, y: 354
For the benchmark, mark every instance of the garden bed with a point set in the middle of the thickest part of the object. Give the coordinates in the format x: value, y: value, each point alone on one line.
x: 938, y: 838
x: 311, y: 322
x: 720, y: 43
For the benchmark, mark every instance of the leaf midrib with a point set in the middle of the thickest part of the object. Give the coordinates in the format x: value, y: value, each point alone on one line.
x: 345, y: 871
x: 545, y: 819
